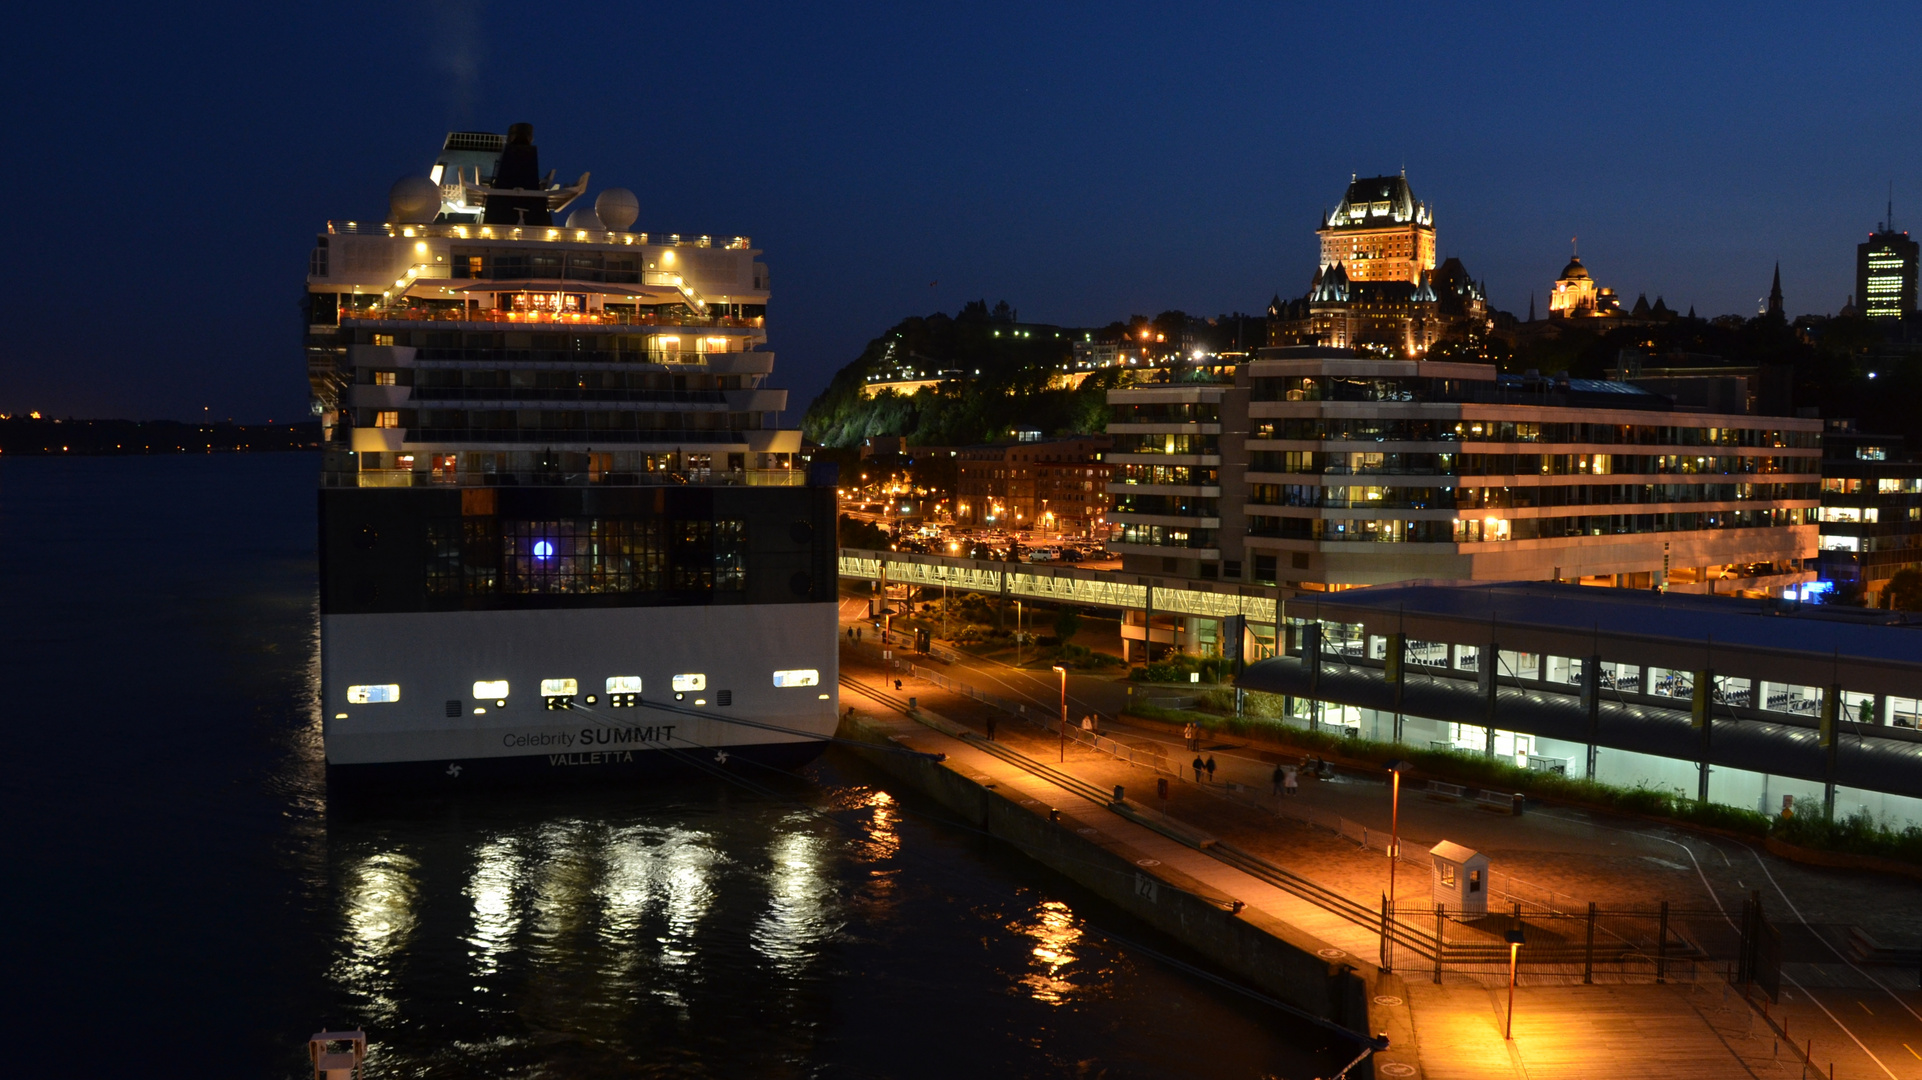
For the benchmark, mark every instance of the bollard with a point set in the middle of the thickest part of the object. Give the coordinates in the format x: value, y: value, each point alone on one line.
x: 911, y: 703
x: 1161, y: 786
x: 1518, y: 804
x: 1054, y: 814
x: 1118, y: 795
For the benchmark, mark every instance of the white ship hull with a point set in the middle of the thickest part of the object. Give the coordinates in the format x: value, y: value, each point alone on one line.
x: 436, y: 658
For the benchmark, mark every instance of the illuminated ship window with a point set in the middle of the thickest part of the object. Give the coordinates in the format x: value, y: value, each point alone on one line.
x: 373, y: 695
x: 496, y: 689
x: 798, y: 677
x: 689, y: 683
x: 559, y: 687
x: 623, y: 684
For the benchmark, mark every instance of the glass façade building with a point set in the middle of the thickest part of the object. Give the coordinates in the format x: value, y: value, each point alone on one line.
x: 1758, y: 703
x: 1318, y: 469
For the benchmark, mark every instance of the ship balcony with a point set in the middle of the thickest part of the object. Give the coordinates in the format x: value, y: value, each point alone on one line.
x: 408, y: 316
x: 547, y: 233
x: 409, y: 478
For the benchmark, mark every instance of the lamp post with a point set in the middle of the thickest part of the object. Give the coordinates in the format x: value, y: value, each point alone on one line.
x: 1395, y: 769
x: 1064, y: 710
x: 1017, y: 633
x: 1514, y: 939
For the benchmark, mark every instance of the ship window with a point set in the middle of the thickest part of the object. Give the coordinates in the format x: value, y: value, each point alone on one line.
x: 497, y: 689
x: 373, y: 695
x: 798, y: 677
x: 689, y: 683
x: 623, y: 684
x: 560, y: 687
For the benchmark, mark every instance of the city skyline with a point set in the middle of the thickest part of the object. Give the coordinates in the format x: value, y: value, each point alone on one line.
x: 897, y: 163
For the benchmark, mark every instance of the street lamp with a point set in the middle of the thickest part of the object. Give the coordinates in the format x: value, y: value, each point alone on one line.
x: 1394, y: 840
x: 1514, y: 939
x: 1395, y: 769
x: 1064, y: 710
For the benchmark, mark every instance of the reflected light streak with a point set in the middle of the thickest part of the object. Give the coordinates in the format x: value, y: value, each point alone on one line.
x: 377, y: 904
x: 497, y: 874
x: 802, y: 905
x: 1055, y: 935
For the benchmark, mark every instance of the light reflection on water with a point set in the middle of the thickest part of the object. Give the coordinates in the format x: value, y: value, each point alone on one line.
x: 377, y: 905
x: 492, y: 887
x: 803, y: 905
x: 1055, y: 932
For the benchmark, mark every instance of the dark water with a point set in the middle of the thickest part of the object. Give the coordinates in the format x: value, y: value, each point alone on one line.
x: 179, y: 900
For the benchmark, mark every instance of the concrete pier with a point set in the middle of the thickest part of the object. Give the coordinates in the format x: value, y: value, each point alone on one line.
x: 1163, y: 869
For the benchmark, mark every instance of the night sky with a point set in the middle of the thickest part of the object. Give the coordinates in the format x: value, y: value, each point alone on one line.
x: 171, y: 164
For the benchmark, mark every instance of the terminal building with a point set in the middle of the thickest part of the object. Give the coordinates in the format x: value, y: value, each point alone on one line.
x: 1319, y: 469
x: 1760, y: 704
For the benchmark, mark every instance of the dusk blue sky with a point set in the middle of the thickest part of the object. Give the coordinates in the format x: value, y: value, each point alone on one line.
x: 1085, y: 162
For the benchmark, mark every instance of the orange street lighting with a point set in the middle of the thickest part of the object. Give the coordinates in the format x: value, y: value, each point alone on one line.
x: 1514, y: 939
x: 1064, y: 710
x: 1394, y: 848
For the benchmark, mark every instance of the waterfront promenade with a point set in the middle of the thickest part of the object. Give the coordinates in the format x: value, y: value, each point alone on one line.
x: 1861, y: 1018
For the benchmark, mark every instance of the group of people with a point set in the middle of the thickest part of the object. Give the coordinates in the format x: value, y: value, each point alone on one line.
x: 1287, y: 778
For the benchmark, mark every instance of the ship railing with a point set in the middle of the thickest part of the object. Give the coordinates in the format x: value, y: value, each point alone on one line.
x: 553, y: 233
x: 545, y: 318
x: 398, y: 478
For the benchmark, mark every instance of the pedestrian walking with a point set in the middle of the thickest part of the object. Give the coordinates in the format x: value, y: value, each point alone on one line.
x: 1087, y: 724
x: 1198, y: 768
x: 1211, y: 768
x: 1275, y: 780
x: 990, y: 729
x: 1289, y: 781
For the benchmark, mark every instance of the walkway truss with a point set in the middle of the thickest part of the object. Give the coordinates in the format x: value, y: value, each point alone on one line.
x: 1063, y: 585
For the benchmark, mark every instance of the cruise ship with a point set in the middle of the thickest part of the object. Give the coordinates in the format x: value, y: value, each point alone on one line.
x: 561, y: 530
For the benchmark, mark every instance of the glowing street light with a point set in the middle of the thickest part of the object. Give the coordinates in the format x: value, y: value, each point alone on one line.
x: 1394, y: 844
x: 1514, y: 939
x: 1064, y: 710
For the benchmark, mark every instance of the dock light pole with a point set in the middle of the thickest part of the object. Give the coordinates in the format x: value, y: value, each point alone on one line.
x: 1395, y: 769
x: 1514, y: 939
x: 1064, y: 710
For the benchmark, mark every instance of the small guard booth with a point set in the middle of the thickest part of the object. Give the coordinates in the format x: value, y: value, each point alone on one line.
x: 1461, y: 878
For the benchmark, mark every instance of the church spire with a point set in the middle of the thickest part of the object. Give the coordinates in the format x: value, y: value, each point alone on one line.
x: 1775, y: 294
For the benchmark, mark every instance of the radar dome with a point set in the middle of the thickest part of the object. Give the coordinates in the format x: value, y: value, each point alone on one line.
x: 617, y: 208
x: 413, y: 199
x: 585, y: 219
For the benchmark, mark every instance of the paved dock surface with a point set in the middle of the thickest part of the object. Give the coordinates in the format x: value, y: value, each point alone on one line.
x: 1562, y: 1028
